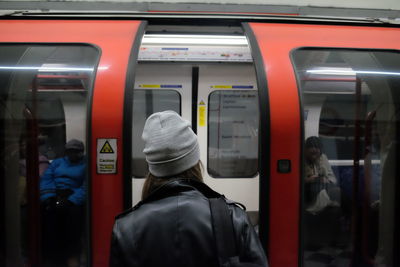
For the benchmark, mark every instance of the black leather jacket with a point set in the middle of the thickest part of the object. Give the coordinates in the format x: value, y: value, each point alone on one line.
x: 173, y: 227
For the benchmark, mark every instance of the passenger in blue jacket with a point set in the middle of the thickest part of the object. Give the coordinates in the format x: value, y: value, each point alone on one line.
x: 62, y: 196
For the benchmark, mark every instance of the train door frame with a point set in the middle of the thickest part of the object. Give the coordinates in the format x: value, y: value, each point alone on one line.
x: 265, y: 153
x: 263, y: 135
x: 276, y: 42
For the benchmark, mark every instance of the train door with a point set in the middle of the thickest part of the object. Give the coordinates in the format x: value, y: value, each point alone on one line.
x: 44, y: 95
x: 354, y: 112
x: 208, y: 77
x: 346, y: 185
x: 228, y: 124
x: 47, y: 82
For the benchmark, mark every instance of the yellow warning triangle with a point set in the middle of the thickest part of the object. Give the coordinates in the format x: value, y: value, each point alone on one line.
x: 106, y: 148
x: 202, y: 102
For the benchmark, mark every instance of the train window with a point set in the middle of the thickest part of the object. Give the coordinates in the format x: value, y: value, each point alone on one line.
x: 233, y: 134
x: 145, y: 103
x: 336, y: 125
x: 43, y: 103
x: 351, y: 101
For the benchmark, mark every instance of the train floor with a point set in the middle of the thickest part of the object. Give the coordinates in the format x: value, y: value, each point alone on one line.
x: 327, y: 242
x: 328, y: 256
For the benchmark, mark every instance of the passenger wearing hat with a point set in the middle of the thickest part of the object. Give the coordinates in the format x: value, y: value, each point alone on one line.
x: 172, y: 225
x: 66, y: 174
x: 62, y: 196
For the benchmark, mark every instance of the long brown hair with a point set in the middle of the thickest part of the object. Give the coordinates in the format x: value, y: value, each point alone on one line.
x: 152, y: 182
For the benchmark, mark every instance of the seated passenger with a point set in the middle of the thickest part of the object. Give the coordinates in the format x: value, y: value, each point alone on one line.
x: 320, y: 181
x: 62, y: 196
x: 172, y: 225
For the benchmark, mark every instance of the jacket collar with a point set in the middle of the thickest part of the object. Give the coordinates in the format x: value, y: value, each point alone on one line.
x: 176, y: 186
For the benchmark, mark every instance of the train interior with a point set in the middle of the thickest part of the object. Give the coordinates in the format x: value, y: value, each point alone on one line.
x: 349, y: 100
x: 209, y: 78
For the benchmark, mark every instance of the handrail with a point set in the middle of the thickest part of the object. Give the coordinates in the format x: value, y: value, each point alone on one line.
x: 367, y: 189
x: 356, y: 218
x: 32, y: 177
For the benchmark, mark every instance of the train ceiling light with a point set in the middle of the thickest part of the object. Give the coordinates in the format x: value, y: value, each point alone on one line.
x: 48, y: 68
x: 349, y: 72
x: 195, y: 48
x: 186, y: 39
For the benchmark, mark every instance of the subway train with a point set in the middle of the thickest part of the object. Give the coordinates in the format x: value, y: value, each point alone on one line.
x: 255, y: 88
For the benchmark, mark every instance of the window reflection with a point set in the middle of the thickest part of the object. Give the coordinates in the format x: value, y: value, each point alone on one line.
x: 43, y: 96
x: 351, y: 101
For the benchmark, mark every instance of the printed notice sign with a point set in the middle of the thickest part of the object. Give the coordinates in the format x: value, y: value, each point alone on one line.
x: 107, y: 156
x: 202, y: 113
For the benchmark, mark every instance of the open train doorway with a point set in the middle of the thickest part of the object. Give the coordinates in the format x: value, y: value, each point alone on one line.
x: 207, y: 75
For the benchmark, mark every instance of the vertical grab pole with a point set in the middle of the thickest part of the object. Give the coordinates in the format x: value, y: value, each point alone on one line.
x: 356, y: 218
x: 32, y: 177
x: 366, y: 210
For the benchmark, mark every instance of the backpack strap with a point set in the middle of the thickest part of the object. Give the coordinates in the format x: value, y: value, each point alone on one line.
x: 223, y: 230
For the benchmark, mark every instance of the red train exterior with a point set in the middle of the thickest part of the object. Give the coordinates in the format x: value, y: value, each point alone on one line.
x: 115, y: 40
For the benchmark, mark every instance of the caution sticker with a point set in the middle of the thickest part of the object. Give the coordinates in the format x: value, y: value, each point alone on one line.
x: 202, y: 113
x: 107, y: 156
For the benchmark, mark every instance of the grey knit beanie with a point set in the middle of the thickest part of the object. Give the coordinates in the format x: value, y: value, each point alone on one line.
x: 171, y: 146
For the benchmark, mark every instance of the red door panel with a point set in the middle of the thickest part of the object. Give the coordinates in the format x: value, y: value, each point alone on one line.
x: 276, y: 41
x: 114, y: 39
